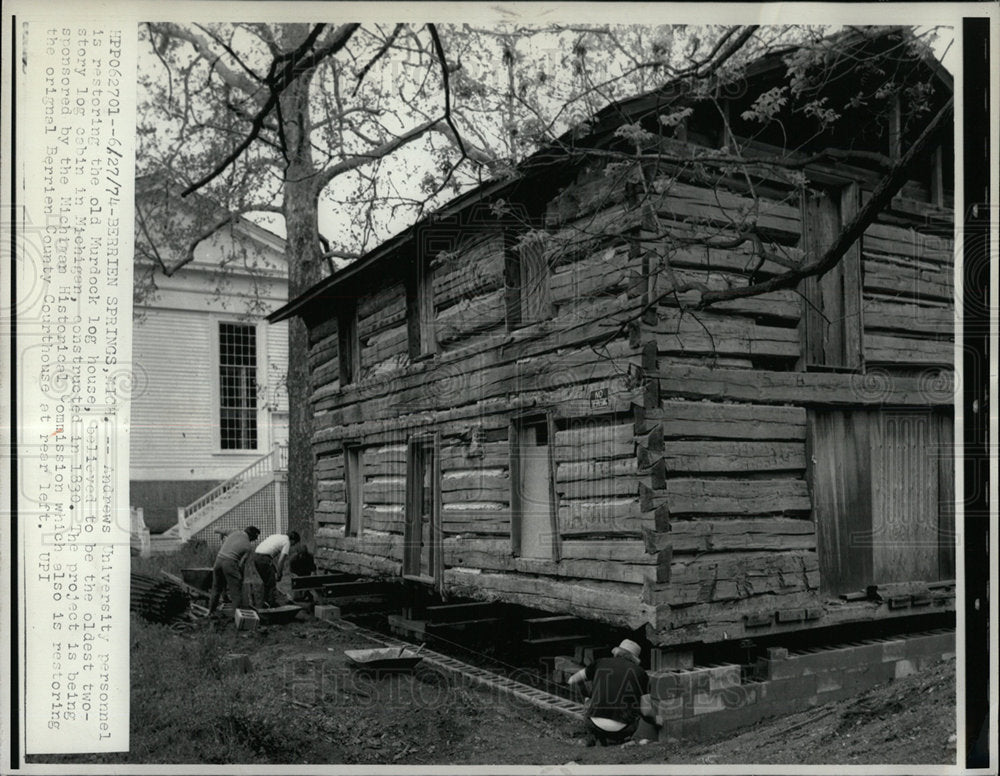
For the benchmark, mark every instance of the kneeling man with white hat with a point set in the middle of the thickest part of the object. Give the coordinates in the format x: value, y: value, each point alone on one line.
x: 618, y: 685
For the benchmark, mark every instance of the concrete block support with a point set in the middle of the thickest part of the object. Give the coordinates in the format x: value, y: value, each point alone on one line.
x: 669, y: 708
x: 671, y: 659
x: 705, y: 702
x: 696, y: 680
x: 894, y: 650
x: 326, y: 612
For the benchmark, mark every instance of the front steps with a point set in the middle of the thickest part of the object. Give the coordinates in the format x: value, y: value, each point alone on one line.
x: 198, y: 518
x: 227, y: 500
x: 164, y: 544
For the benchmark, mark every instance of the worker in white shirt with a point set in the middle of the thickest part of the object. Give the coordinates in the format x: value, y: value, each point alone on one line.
x: 269, y: 560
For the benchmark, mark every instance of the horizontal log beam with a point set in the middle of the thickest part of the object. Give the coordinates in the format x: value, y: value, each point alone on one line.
x: 730, y: 496
x: 613, y: 603
x: 807, y: 388
x: 706, y: 457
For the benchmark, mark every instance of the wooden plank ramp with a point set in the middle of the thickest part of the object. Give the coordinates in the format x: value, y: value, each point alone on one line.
x: 480, y: 676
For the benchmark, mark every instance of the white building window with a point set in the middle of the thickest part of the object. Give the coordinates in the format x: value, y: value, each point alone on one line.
x: 237, y: 386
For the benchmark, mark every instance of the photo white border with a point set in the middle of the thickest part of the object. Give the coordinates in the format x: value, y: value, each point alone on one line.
x: 131, y: 13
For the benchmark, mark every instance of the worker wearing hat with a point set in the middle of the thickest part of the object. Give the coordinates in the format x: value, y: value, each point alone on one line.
x: 617, y: 686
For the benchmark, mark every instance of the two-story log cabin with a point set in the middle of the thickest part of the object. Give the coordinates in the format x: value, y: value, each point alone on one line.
x: 520, y: 399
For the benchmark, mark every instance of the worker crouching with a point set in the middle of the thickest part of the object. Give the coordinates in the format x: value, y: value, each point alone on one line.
x: 619, y: 699
x: 269, y: 559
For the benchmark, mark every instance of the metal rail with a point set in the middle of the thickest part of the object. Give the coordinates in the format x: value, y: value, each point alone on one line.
x: 519, y: 690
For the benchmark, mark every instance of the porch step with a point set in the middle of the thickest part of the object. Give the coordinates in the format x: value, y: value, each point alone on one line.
x: 223, y: 498
x: 159, y: 544
x: 226, y: 502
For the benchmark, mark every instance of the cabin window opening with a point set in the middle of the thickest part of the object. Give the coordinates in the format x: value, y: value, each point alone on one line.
x: 237, y: 386
x: 529, y: 298
x: 420, y: 313
x: 831, y: 322
x: 534, y: 529
x: 348, y: 343
x: 354, y: 482
x: 940, y: 178
x: 883, y: 496
x: 422, y: 540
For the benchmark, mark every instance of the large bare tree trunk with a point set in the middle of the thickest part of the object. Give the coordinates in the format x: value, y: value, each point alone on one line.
x: 301, y: 499
x: 300, y: 207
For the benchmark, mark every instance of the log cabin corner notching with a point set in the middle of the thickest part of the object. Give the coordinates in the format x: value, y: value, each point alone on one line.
x: 507, y: 409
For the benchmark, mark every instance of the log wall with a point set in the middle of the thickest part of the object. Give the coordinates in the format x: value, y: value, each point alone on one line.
x: 484, y: 372
x: 724, y: 431
x: 907, y: 306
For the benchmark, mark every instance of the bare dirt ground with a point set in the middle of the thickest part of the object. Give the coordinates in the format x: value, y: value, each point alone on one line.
x: 302, y: 704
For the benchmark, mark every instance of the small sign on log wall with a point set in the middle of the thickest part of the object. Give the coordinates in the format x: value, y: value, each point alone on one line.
x: 599, y: 399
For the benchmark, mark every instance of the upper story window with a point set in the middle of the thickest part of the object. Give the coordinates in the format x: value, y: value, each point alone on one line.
x: 237, y: 386
x: 420, y: 313
x: 831, y: 304
x: 348, y: 344
x: 528, y: 294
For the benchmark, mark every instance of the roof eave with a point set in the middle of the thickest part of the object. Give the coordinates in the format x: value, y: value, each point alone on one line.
x: 298, y: 305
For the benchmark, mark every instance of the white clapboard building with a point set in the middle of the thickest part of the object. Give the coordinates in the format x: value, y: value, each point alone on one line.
x: 209, y: 424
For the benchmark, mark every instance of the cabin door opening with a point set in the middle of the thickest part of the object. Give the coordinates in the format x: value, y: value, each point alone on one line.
x: 883, y: 497
x: 422, y: 551
x: 532, y: 509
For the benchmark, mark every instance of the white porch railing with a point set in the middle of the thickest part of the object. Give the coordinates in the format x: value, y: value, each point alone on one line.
x: 140, y: 533
x: 274, y: 461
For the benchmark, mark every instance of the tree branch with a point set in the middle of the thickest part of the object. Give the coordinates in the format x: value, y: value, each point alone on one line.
x: 705, y: 69
x: 376, y: 153
x: 379, y: 54
x: 333, y: 253
x: 229, y: 50
x: 439, y: 49
x: 278, y: 79
x: 203, y: 47
x: 882, y: 196
x: 338, y: 40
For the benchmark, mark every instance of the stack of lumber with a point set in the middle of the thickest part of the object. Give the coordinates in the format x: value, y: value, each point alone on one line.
x: 157, y: 600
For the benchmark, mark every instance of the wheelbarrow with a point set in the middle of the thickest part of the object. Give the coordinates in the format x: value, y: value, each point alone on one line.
x: 385, y: 660
x: 278, y: 615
